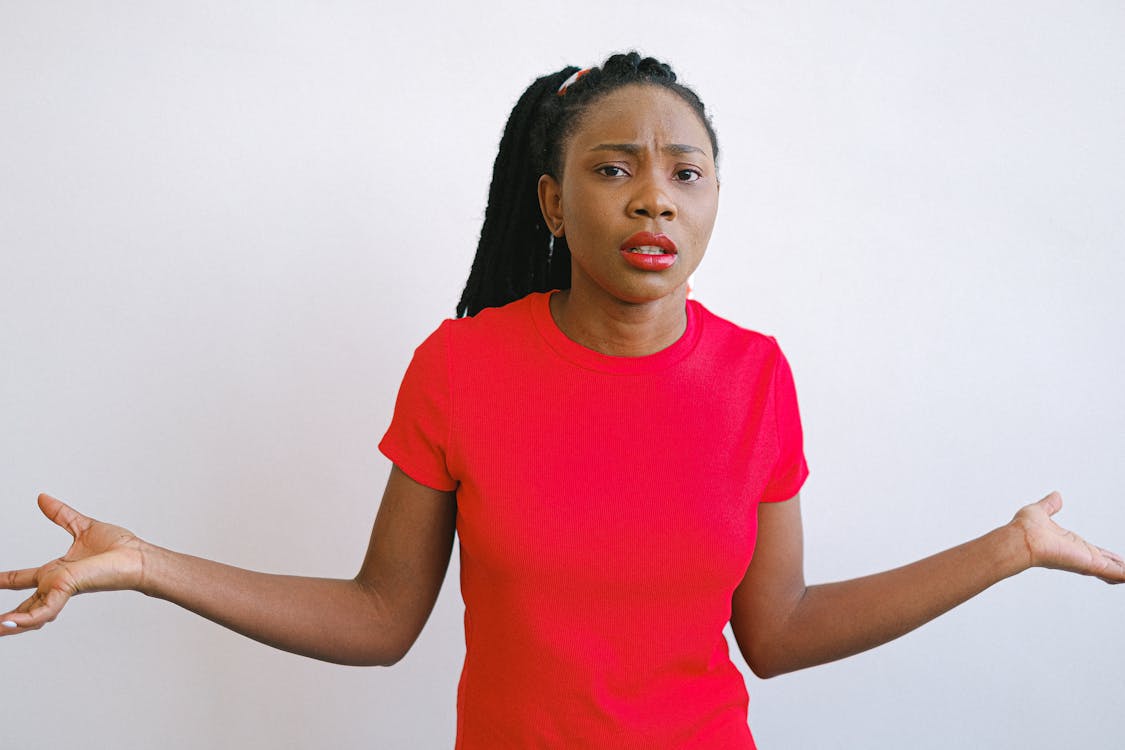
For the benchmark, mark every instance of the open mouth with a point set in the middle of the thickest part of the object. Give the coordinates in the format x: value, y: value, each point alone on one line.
x: 649, y: 250
x: 647, y: 243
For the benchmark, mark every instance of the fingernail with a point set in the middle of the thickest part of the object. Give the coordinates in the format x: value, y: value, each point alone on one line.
x: 9, y: 624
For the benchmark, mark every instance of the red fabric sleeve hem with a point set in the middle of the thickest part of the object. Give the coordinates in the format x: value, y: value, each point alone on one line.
x: 434, y: 481
x: 788, y: 490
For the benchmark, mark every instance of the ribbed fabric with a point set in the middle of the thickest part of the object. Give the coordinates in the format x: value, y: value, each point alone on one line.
x: 606, y: 511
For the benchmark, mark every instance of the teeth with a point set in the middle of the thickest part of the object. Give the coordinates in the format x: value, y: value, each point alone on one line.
x: 647, y: 250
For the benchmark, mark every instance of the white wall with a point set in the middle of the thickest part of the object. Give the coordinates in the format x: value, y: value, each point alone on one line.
x: 225, y: 226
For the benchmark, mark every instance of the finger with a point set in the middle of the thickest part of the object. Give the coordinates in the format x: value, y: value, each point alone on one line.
x: 1114, y: 571
x: 63, y: 515
x: 49, y: 607
x: 19, y: 579
x: 17, y: 621
x: 35, y: 612
x: 1052, y: 503
x: 1112, y: 556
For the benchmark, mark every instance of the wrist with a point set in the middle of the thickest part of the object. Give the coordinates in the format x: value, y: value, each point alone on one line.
x: 1012, y: 549
x: 147, y: 565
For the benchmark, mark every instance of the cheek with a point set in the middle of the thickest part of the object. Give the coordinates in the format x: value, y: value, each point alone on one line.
x: 586, y: 221
x: 706, y: 223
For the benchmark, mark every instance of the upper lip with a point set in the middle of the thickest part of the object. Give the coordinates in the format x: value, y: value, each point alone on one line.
x: 642, y: 239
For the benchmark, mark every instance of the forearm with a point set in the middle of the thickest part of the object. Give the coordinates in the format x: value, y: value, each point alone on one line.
x: 372, y: 619
x: 336, y: 620
x: 835, y: 620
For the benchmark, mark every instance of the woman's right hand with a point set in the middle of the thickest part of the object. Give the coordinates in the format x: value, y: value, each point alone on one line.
x: 371, y: 619
x: 102, y: 557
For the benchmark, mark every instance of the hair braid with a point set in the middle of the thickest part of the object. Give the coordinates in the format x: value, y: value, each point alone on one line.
x: 515, y: 245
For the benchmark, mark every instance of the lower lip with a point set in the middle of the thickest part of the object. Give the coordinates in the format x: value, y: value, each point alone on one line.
x: 649, y: 262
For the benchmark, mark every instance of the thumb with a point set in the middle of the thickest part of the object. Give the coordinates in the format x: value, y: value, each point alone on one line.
x: 63, y: 515
x: 1052, y: 503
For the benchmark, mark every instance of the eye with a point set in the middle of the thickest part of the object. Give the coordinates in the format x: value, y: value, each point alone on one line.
x: 688, y: 175
x: 611, y: 170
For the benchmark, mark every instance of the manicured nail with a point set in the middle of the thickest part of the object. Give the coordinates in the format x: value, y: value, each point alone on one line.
x: 9, y: 624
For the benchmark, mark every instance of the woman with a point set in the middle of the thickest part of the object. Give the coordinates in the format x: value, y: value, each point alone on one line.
x: 621, y: 466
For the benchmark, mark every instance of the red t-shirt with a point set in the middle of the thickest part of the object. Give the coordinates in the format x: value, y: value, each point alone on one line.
x: 606, y: 511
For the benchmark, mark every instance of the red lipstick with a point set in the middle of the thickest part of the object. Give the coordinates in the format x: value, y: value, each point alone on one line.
x: 649, y: 252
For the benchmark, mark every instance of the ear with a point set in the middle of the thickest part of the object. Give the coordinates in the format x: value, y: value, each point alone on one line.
x: 550, y: 203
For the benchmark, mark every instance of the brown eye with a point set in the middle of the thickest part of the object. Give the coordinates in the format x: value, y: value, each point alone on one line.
x: 609, y: 170
x: 688, y: 175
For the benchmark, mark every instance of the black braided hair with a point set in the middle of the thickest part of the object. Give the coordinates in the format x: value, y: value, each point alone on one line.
x: 517, y: 254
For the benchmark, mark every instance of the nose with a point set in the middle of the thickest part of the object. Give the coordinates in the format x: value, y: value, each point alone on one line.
x: 651, y: 199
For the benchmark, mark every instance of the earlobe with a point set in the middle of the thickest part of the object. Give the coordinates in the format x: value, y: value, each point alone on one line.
x: 550, y: 204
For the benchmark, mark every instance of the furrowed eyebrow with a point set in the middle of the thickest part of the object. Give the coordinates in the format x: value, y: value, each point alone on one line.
x: 683, y: 148
x: 633, y: 148
x: 628, y: 148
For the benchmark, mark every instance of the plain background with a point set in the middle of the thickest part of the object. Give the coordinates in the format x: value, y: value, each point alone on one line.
x: 225, y: 226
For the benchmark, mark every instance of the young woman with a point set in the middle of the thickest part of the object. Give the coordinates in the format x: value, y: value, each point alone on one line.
x: 622, y: 468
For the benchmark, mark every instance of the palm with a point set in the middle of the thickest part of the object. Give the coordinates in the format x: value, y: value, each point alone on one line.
x: 91, y: 561
x: 1052, y: 546
x: 102, y: 557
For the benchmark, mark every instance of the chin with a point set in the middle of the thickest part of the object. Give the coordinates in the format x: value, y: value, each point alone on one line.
x: 648, y: 293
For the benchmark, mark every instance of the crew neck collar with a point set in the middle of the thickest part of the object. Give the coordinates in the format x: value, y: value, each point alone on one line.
x: 593, y: 360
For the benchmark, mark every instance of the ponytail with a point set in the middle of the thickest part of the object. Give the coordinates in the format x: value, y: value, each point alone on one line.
x: 517, y: 253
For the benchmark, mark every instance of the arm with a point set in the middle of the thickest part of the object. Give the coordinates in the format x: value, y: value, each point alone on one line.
x: 782, y: 625
x: 373, y: 618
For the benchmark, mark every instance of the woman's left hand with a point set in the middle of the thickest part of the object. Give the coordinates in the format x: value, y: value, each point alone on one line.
x: 1051, y: 546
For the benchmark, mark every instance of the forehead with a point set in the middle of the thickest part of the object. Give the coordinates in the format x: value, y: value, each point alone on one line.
x: 639, y: 114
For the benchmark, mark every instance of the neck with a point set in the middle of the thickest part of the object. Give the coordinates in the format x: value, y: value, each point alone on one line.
x: 617, y: 328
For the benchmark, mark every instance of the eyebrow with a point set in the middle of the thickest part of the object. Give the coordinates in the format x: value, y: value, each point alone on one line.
x: 633, y: 148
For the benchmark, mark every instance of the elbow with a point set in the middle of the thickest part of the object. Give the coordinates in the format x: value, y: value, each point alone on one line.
x: 393, y: 657
x: 382, y: 656
x: 385, y: 640
x: 375, y: 659
x: 766, y: 657
x: 763, y: 665
x: 381, y: 661
x: 772, y: 643
x: 385, y: 654
x: 774, y: 658
x: 766, y: 670
x: 361, y: 651
x: 392, y: 652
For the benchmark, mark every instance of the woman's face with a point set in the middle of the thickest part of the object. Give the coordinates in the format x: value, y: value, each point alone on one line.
x: 637, y: 196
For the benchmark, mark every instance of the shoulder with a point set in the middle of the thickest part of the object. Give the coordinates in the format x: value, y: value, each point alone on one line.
x: 492, y: 331
x: 492, y: 320
x: 724, y: 339
x: 503, y: 322
x: 461, y: 350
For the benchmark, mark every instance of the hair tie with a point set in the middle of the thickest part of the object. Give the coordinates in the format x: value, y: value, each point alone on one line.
x: 572, y: 80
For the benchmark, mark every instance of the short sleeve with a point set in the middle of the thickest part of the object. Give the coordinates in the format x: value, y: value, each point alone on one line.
x: 418, y: 439
x: 790, y: 470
